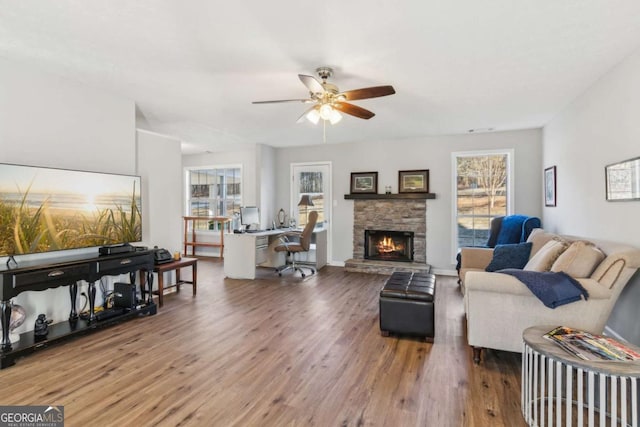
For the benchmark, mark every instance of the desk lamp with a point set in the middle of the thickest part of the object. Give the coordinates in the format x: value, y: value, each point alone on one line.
x: 305, y: 201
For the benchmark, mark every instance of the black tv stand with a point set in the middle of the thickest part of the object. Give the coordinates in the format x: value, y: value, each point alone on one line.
x: 67, y: 272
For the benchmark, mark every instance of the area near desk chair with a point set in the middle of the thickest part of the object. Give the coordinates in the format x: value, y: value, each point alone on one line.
x: 294, y: 247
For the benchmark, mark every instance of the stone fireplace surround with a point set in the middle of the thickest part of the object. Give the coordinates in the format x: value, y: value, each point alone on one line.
x: 398, y: 214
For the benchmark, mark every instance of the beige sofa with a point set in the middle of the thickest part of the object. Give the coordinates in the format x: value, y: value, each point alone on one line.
x: 499, y: 307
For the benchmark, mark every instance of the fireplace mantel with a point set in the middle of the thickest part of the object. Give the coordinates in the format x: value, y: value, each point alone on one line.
x: 410, y: 196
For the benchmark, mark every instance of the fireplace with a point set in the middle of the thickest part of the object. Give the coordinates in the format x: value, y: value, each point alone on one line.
x: 388, y: 245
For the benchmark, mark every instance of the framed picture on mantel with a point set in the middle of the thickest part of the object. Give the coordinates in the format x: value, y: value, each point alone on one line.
x: 414, y: 181
x: 364, y: 182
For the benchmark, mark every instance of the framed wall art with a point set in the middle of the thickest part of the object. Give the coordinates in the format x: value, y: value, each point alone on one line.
x: 550, y: 186
x: 413, y: 181
x: 364, y: 182
x: 622, y: 180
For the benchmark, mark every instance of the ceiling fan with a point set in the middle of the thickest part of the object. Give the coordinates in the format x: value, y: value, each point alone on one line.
x: 329, y: 101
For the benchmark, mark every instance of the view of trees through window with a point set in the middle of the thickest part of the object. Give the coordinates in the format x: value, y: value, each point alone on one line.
x: 311, y: 183
x: 213, y: 192
x: 481, y: 194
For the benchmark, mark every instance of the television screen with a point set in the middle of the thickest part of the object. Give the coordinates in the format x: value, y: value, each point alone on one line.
x: 45, y: 209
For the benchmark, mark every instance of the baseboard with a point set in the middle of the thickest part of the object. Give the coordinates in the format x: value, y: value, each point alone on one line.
x: 336, y: 263
x: 441, y: 272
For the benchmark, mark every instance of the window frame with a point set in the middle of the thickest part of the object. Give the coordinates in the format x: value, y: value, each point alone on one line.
x: 213, y: 200
x: 510, y: 195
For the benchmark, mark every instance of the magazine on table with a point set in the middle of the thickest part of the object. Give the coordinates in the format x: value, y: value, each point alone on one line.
x: 588, y: 346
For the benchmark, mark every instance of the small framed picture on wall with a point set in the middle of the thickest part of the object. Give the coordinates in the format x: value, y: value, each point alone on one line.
x: 550, y: 186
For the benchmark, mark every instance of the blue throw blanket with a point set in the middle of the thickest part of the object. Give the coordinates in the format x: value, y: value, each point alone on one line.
x: 553, y: 289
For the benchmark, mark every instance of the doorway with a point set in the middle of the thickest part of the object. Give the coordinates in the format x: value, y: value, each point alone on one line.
x: 312, y: 180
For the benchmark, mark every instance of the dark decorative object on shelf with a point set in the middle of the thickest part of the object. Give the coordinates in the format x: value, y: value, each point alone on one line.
x: 364, y: 182
x: 413, y: 181
x: 41, y: 328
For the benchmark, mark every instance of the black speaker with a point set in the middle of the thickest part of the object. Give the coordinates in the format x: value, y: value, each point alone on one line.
x: 124, y: 295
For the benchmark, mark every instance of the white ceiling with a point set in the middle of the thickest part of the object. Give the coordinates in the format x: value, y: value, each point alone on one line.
x: 193, y: 67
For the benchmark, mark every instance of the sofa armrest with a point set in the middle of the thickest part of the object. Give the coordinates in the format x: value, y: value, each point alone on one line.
x: 479, y: 258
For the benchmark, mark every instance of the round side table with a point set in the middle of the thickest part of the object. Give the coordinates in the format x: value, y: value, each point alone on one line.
x: 558, y: 387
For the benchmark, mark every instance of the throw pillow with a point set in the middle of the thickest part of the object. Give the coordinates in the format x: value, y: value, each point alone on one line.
x: 579, y: 260
x: 539, y: 238
x: 509, y: 256
x: 546, y: 256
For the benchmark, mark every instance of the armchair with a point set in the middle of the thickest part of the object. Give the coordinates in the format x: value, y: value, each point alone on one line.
x: 302, y: 244
x: 505, y: 230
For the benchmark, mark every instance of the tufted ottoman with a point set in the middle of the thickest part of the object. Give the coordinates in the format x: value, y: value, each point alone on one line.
x: 407, y: 305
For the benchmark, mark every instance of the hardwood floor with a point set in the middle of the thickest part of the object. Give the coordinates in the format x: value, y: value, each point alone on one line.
x: 272, y: 352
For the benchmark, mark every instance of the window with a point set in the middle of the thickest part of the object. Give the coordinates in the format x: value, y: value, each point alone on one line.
x: 313, y: 180
x: 482, y: 191
x: 213, y: 191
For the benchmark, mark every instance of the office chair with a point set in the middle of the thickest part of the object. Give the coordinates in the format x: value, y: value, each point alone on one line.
x: 294, y: 247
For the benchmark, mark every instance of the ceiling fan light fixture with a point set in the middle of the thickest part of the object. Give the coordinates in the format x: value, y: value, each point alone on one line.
x: 313, y: 116
x: 335, y: 117
x: 326, y: 110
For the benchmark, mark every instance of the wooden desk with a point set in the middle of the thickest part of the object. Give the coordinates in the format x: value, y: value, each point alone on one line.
x: 176, y: 265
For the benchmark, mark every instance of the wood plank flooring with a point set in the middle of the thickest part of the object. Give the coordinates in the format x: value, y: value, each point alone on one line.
x: 272, y: 352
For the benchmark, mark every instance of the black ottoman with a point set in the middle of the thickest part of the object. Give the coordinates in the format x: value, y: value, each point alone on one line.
x: 407, y: 305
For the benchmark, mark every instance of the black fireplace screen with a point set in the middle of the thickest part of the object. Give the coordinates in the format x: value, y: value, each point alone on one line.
x: 388, y: 245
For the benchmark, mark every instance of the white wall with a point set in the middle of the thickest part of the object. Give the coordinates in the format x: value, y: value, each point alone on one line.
x: 598, y: 128
x: 433, y: 153
x: 266, y: 162
x: 160, y: 165
x: 258, y: 175
x: 46, y: 120
x: 245, y: 157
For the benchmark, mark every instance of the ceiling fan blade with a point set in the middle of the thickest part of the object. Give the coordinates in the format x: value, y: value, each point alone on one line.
x: 353, y: 110
x: 304, y: 115
x: 368, y: 92
x: 311, y: 83
x: 304, y: 101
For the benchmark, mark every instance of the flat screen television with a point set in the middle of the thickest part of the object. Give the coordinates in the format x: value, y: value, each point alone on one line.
x: 46, y: 209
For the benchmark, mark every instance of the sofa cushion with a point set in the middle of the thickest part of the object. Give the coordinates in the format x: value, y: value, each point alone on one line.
x: 609, y: 270
x: 579, y: 260
x: 509, y: 256
x: 546, y: 256
x: 539, y: 238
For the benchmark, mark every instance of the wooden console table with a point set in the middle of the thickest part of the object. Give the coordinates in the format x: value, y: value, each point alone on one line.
x: 68, y: 271
x: 226, y: 222
x: 160, y: 269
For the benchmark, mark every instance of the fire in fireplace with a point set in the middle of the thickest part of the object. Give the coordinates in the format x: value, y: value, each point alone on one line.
x: 388, y: 245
